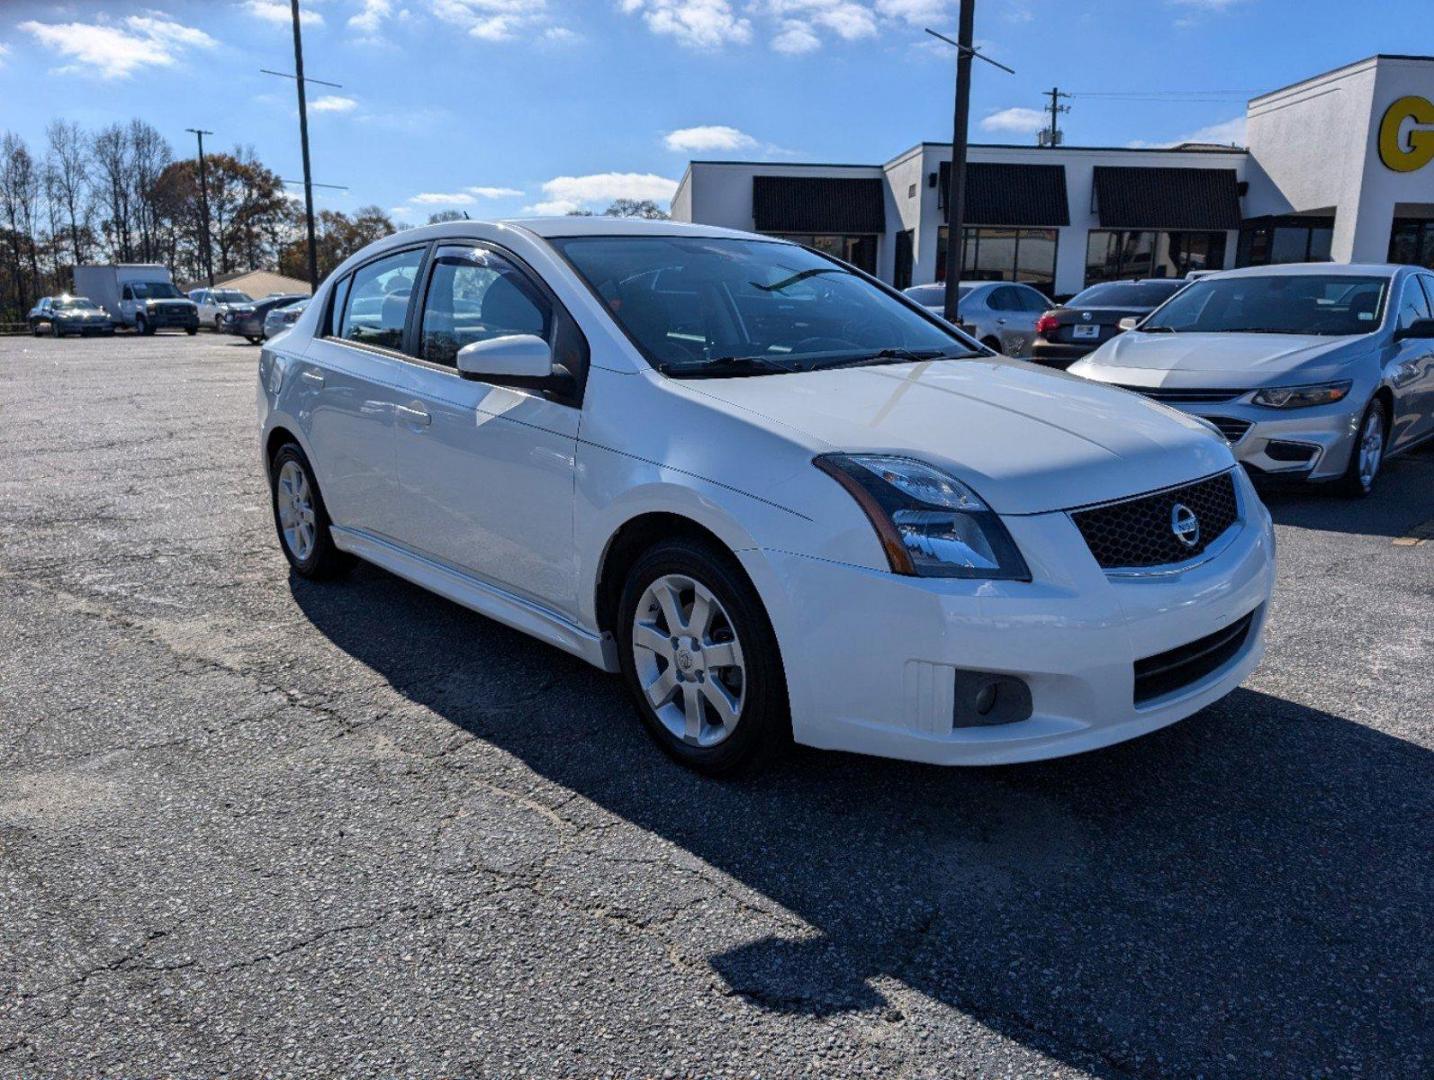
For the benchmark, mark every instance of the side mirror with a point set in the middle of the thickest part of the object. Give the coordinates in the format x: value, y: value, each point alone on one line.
x: 1419, y: 328
x: 515, y: 356
x: 1130, y: 322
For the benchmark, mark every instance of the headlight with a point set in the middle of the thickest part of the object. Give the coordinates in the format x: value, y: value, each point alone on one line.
x: 1298, y: 397
x: 930, y: 524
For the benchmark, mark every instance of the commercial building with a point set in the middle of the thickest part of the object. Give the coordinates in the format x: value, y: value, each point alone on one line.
x: 1338, y: 167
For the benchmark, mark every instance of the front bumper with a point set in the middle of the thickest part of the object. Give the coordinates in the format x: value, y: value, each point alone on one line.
x: 872, y: 658
x: 85, y: 326
x: 166, y: 318
x: 1306, y: 444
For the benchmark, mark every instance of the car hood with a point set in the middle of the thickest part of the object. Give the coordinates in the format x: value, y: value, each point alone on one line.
x: 1226, y: 360
x: 1026, y: 438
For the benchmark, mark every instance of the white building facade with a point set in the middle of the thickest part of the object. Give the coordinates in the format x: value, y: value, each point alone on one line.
x: 1339, y: 167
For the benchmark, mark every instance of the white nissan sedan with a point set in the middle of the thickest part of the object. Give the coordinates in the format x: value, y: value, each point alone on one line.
x: 776, y: 496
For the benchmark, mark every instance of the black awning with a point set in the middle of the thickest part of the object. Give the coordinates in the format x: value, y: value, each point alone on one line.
x: 1166, y: 198
x: 1008, y: 194
x: 818, y: 204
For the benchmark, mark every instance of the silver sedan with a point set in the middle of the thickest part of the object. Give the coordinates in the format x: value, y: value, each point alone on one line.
x: 1312, y: 371
x: 1002, y: 314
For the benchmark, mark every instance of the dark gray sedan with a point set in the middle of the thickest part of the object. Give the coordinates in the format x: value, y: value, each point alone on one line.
x: 69, y: 315
x: 248, y: 320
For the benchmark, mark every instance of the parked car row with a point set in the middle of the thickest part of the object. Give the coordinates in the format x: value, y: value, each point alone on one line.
x: 259, y: 320
x: 1311, y: 371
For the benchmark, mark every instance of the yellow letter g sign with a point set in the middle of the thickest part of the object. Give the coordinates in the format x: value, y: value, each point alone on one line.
x: 1406, y: 155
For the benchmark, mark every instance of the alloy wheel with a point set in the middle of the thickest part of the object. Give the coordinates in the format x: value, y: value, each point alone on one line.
x: 689, y: 660
x: 296, y: 511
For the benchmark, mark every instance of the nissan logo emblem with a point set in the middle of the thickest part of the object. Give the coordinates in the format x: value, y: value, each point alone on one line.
x: 1185, y: 525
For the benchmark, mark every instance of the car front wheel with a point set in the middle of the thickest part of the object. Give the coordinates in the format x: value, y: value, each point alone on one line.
x: 1367, y: 457
x: 141, y: 324
x: 700, y: 658
x: 301, y: 518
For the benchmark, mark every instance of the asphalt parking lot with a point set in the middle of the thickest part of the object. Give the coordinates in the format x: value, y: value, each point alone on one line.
x: 255, y: 826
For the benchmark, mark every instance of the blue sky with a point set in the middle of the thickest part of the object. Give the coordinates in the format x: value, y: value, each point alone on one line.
x: 503, y: 107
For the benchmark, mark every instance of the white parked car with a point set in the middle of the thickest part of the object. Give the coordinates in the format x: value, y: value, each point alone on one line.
x: 1000, y: 314
x: 1314, y: 372
x: 778, y: 498
x: 214, y: 304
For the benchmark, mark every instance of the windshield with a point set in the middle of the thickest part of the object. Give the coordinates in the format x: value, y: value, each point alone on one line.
x: 1330, y: 304
x: 1133, y: 294
x: 154, y: 290
x: 231, y: 296
x: 710, y: 307
x: 66, y: 302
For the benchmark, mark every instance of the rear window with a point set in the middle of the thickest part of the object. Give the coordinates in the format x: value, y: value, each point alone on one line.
x: 1133, y: 294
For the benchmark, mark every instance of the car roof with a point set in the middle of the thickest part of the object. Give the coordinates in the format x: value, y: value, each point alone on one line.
x: 1318, y: 268
x: 596, y: 225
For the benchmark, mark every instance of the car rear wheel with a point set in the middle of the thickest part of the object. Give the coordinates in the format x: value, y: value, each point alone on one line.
x: 301, y: 518
x: 35, y: 327
x: 254, y: 340
x: 218, y: 323
x: 55, y: 330
x: 700, y: 658
x: 1367, y: 457
x: 191, y: 330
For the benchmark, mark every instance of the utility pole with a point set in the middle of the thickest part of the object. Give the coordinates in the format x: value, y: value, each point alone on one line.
x: 1053, y: 136
x: 199, y: 133
x: 304, y: 142
x: 956, y: 190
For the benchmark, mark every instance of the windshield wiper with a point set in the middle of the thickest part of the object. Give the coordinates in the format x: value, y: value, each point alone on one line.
x: 778, y: 286
x: 722, y: 367
x: 891, y: 356
x: 1157, y: 329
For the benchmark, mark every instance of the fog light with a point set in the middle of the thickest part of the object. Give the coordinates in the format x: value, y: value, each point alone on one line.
x: 985, y: 698
x: 1277, y: 450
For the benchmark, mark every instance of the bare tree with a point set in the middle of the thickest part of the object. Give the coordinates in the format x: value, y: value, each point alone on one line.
x: 149, y: 154
x: 19, y: 202
x: 67, y: 183
x: 110, y: 152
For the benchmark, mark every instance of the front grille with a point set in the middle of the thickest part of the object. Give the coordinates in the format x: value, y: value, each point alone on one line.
x: 1187, y: 396
x: 1233, y: 429
x: 1140, y: 532
x: 1167, y: 672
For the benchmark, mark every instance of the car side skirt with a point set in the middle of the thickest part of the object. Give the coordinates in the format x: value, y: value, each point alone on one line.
x: 483, y: 597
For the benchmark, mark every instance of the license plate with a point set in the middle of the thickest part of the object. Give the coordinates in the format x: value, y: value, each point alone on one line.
x: 1085, y: 330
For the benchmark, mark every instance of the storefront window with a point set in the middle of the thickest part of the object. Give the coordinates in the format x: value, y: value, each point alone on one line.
x: 1411, y: 242
x: 860, y: 251
x: 992, y: 254
x: 1267, y: 241
x: 1115, y: 255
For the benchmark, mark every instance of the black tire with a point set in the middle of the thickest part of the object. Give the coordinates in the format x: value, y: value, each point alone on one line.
x: 254, y: 340
x: 141, y: 325
x: 1352, y: 484
x: 324, y: 560
x: 191, y: 330
x: 763, y: 725
x: 992, y: 344
x: 35, y: 328
x: 217, y: 320
x: 55, y: 331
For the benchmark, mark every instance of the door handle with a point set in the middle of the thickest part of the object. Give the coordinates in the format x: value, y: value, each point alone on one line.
x: 1000, y: 322
x: 413, y: 414
x: 314, y: 377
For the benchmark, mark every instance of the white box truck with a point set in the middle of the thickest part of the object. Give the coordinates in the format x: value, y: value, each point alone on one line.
x: 141, y: 296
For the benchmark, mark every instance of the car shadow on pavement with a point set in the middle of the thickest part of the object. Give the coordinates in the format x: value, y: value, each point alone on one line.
x: 1403, y: 499
x: 1247, y: 892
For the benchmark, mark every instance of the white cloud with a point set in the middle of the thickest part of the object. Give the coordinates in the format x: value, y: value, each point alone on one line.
x: 795, y: 38
x: 494, y: 192
x: 438, y: 198
x: 4, y: 50
x: 276, y: 11
x: 1224, y: 133
x: 708, y: 137
x: 1015, y: 119
x: 702, y: 24
x: 496, y: 20
x: 370, y: 19
x: 568, y: 193
x: 333, y: 103
x: 117, y: 50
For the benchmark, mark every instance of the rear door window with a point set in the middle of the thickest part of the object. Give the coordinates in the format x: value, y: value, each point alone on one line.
x: 375, y: 310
